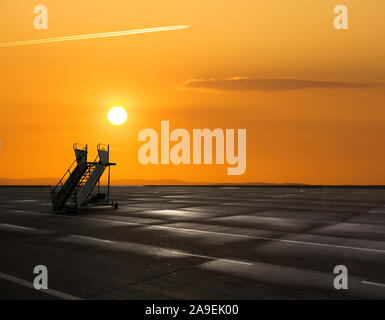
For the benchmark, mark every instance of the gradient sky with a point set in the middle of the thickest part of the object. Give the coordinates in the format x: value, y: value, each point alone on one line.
x: 325, y: 130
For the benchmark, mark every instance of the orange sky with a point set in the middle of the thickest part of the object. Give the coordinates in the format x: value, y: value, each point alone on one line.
x: 52, y: 95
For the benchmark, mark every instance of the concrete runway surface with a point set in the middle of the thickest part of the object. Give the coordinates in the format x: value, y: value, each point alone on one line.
x: 196, y: 243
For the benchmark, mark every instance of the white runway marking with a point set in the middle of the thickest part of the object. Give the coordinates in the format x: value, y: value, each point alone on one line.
x: 212, y: 258
x: 219, y: 233
x: 144, y: 247
x: 28, y: 284
x: 12, y: 226
x: 373, y: 283
x: 272, y: 239
x: 91, y: 238
x: 92, y: 36
x: 30, y: 212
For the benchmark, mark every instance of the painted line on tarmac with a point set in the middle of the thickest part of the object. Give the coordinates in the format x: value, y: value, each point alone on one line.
x: 13, y: 226
x: 28, y: 284
x: 373, y: 283
x: 175, y: 252
x: 221, y: 233
x: 91, y: 238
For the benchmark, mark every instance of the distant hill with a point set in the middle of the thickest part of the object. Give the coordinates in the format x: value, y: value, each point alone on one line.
x: 33, y: 182
x: 128, y: 182
x: 123, y: 182
x: 175, y: 182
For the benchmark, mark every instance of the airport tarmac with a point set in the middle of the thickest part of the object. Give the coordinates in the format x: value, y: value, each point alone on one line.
x: 179, y: 242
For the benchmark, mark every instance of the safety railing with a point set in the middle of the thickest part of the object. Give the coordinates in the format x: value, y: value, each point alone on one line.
x: 64, y: 177
x: 79, y: 146
x: 103, y: 147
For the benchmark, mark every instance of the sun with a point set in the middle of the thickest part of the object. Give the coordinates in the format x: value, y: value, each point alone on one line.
x: 117, y: 116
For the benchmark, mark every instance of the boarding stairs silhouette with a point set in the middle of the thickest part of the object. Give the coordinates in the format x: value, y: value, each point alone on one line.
x: 74, y: 190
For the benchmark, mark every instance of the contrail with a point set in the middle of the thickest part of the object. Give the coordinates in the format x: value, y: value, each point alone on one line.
x: 92, y: 36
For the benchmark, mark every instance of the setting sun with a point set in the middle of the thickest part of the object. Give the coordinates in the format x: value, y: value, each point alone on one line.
x: 117, y: 116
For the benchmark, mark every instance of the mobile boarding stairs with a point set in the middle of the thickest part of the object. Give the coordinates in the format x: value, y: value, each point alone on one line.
x: 75, y: 189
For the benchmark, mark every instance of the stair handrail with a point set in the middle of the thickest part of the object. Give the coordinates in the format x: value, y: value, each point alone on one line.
x: 95, y: 160
x: 60, y: 181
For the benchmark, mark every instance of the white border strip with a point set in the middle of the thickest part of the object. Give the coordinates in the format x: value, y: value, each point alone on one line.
x: 373, y: 283
x: 27, y: 284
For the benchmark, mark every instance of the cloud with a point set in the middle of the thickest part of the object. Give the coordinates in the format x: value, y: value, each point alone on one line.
x: 250, y: 84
